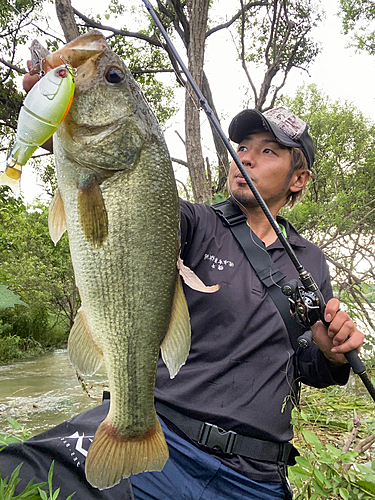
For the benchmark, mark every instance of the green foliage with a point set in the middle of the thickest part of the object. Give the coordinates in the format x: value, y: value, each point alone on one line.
x: 18, y: 434
x: 13, y: 347
x: 323, y: 470
x: 8, y: 485
x: 32, y: 491
x: 8, y: 298
x: 337, y: 212
x: 358, y: 19
x: 302, y: 16
x: 41, y: 273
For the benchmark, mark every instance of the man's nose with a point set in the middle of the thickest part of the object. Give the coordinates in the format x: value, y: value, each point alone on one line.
x: 247, y: 157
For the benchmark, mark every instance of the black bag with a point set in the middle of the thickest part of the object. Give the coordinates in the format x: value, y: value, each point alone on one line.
x: 67, y: 445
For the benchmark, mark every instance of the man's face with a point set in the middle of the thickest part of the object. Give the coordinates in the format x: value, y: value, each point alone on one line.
x: 268, y: 164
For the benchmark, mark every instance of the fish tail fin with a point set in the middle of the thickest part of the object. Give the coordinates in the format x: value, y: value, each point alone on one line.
x: 112, y: 456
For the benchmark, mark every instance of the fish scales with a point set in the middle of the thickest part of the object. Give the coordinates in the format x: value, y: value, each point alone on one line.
x: 118, y: 197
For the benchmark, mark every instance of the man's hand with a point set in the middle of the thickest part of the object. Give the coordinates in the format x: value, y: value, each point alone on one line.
x: 341, y: 336
x: 30, y: 79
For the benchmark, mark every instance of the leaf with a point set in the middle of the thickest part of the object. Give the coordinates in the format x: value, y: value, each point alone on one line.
x: 303, y: 462
x: 319, y: 489
x: 298, y: 471
x: 366, y: 485
x: 319, y: 476
x: 335, y: 451
x: 9, y: 298
x: 344, y: 493
x: 312, y: 438
x: 56, y: 494
x: 16, y: 425
x: 43, y: 494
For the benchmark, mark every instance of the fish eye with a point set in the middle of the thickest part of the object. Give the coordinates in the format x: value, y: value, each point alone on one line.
x: 62, y: 73
x: 114, y: 75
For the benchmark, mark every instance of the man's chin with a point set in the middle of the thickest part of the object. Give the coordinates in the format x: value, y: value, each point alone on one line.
x: 245, y: 199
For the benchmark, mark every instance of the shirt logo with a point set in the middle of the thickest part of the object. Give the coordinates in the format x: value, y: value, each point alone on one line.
x: 75, y: 444
x: 217, y: 263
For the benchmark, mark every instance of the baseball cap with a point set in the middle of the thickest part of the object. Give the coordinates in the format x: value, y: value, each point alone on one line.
x: 287, y: 128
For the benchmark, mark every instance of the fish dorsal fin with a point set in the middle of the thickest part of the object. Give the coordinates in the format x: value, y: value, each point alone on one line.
x: 192, y: 280
x: 84, y: 353
x: 56, y: 218
x: 92, y: 212
x: 176, y: 344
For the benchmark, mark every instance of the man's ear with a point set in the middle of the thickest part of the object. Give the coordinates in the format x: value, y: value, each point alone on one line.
x: 299, y: 180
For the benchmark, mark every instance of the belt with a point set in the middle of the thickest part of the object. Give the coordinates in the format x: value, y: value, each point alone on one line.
x: 229, y: 442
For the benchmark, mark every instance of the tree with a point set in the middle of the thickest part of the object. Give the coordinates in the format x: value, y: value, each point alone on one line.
x: 279, y: 43
x: 32, y: 266
x: 338, y: 210
x: 358, y: 18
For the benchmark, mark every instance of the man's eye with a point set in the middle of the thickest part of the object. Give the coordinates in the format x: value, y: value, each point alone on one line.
x: 268, y: 151
x: 241, y: 148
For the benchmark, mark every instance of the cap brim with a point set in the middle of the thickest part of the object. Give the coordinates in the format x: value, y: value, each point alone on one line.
x: 251, y: 120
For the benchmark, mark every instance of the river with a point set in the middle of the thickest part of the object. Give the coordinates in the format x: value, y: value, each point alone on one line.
x: 42, y: 392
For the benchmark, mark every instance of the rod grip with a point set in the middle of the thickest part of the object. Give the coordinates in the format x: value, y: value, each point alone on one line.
x: 355, y: 362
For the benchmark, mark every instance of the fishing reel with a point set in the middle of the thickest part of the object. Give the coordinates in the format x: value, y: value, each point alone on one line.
x: 307, y: 307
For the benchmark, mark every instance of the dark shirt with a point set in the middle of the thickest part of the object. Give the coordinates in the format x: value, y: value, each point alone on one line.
x: 241, y: 368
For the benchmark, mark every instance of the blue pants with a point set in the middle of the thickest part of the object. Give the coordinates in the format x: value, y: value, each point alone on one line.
x: 191, y: 474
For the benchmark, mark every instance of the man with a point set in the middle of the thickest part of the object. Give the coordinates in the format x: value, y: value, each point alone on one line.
x: 240, y: 376
x: 226, y: 415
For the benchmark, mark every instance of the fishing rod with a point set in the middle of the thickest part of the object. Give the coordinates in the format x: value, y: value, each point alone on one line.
x: 307, y: 304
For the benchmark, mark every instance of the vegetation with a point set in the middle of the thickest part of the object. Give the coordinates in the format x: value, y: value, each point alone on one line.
x: 337, y: 212
x: 32, y: 491
x: 335, y: 432
x: 41, y: 274
x: 358, y: 20
x: 274, y: 36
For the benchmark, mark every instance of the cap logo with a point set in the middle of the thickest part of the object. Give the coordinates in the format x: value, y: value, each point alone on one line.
x: 287, y: 121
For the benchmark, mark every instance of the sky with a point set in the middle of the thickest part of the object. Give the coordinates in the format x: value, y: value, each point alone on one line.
x: 340, y: 72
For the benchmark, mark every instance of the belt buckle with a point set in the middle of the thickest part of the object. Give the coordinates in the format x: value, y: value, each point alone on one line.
x: 214, y: 437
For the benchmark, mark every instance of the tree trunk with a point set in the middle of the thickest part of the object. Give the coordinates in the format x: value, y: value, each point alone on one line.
x: 198, y: 13
x: 65, y: 15
x: 221, y: 150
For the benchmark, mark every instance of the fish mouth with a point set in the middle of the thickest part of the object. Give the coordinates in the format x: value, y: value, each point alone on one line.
x: 77, y: 52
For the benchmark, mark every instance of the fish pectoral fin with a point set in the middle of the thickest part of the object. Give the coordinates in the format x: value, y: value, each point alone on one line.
x: 192, y: 280
x: 176, y: 344
x: 92, y: 212
x: 56, y: 218
x: 112, y: 456
x: 84, y: 353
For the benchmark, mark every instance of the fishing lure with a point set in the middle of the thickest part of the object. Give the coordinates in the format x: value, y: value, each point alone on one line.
x: 43, y: 110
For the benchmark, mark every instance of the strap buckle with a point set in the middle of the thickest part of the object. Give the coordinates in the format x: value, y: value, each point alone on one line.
x: 214, y: 437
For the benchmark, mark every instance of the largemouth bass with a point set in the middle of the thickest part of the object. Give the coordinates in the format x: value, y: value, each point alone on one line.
x: 117, y: 198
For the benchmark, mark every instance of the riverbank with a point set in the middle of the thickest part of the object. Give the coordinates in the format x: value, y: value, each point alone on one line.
x: 44, y: 391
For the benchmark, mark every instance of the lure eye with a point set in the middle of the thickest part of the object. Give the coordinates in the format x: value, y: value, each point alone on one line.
x: 62, y: 73
x: 114, y: 75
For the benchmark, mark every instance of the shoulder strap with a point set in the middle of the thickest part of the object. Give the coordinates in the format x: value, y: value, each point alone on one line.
x: 262, y: 263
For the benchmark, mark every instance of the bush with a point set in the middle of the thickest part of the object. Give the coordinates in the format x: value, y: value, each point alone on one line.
x: 14, y: 347
x: 327, y: 472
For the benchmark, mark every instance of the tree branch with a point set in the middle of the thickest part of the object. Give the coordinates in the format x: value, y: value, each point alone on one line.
x: 13, y: 67
x: 237, y: 16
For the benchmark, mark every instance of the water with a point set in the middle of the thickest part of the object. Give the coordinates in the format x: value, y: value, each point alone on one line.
x: 43, y: 392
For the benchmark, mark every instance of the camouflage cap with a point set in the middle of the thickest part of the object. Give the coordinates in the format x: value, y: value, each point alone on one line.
x: 286, y: 127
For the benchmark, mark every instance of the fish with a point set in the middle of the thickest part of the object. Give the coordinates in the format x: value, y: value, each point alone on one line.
x: 118, y: 201
x: 42, y: 112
